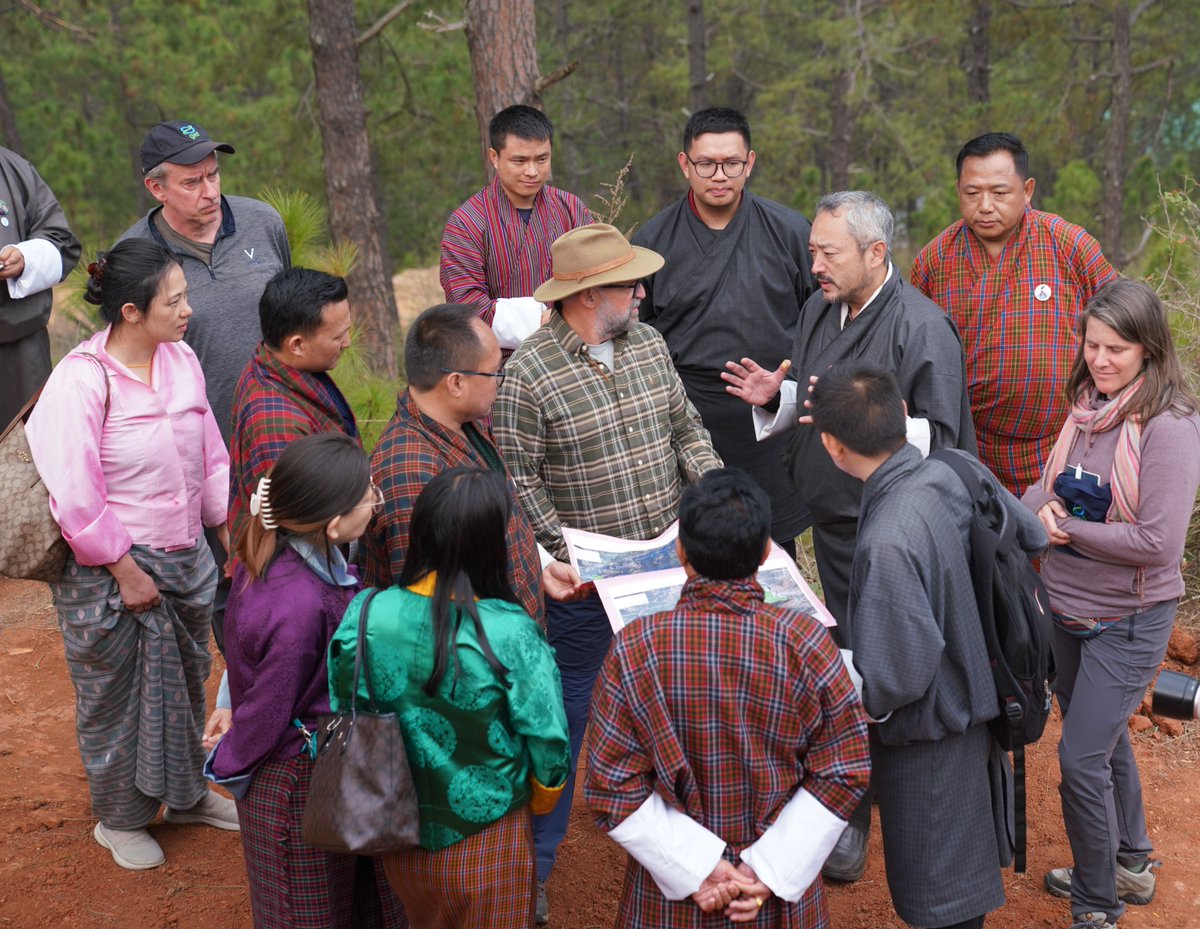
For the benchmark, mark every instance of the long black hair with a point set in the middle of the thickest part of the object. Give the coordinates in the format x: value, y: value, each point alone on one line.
x: 458, y: 528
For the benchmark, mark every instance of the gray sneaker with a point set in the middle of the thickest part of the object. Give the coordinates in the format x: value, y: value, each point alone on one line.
x: 1136, y: 887
x: 541, y: 914
x: 1092, y: 921
x: 132, y: 849
x: 213, y: 810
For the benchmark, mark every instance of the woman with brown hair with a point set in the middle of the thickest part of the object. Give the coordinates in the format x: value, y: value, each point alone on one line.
x: 1116, y: 498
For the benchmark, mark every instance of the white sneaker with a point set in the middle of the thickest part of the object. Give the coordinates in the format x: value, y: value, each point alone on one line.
x: 132, y: 849
x: 213, y: 810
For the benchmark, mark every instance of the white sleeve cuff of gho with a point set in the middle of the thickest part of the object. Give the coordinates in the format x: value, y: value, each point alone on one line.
x: 676, y: 850
x: 544, y: 557
x: 43, y: 268
x: 516, y: 319
x: 769, y: 424
x: 916, y: 432
x: 789, y: 855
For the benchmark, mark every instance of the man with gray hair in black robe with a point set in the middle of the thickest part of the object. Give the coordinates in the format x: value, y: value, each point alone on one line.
x: 865, y: 312
x: 944, y: 785
x: 736, y: 275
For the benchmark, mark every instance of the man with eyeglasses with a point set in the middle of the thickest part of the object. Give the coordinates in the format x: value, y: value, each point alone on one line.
x: 737, y: 273
x: 599, y: 434
x: 496, y: 246
x: 452, y: 360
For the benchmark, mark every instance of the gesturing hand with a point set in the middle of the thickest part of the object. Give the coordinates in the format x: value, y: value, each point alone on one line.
x: 751, y: 382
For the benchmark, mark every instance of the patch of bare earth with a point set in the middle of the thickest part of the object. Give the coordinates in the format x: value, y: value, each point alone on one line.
x: 52, y: 873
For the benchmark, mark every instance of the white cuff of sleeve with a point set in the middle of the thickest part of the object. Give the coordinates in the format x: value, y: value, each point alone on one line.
x: 676, y: 850
x: 516, y: 319
x: 917, y: 433
x: 223, y: 699
x: 789, y: 855
x: 545, y: 557
x: 767, y: 424
x: 43, y: 268
x: 857, y: 680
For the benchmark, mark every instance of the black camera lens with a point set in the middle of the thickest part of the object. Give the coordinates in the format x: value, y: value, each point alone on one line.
x: 1176, y: 696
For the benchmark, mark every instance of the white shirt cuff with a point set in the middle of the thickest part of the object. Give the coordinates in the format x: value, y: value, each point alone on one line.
x: 516, y: 319
x: 917, y: 433
x: 43, y: 268
x: 785, y: 418
x: 545, y: 557
x: 676, y: 850
x: 789, y: 855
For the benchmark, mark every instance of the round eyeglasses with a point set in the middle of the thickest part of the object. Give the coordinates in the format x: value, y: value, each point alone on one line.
x: 706, y: 169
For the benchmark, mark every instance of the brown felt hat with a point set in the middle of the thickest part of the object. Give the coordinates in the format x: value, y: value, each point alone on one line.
x: 590, y: 256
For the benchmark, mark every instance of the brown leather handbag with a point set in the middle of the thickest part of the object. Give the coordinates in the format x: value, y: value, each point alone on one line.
x: 31, y: 544
x: 362, y: 799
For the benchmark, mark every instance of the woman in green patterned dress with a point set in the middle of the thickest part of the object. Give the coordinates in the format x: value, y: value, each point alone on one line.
x: 475, y: 687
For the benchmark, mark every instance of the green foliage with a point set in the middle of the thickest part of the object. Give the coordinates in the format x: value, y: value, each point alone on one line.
x: 1076, y: 194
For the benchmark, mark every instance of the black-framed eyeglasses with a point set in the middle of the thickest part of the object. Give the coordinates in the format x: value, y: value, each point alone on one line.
x: 628, y: 285
x: 498, y: 375
x: 706, y: 169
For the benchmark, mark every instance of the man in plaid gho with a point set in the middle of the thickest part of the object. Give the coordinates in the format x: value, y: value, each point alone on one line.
x: 728, y: 748
x: 1014, y: 280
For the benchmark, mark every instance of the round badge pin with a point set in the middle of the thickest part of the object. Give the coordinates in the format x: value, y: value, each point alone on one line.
x: 3, y: 220
x: 1042, y: 292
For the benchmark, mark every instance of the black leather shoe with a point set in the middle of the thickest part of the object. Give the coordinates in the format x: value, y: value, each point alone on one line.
x: 848, y: 859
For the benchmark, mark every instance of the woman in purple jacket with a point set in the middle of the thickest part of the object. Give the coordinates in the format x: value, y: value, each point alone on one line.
x: 1115, y: 498
x: 289, y: 592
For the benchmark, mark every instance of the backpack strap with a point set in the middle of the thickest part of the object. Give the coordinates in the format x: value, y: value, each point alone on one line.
x: 980, y: 499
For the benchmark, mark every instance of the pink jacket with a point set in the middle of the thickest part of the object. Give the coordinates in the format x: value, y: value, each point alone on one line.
x: 147, y: 474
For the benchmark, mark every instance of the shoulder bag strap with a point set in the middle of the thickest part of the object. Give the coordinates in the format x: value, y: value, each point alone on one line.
x: 360, y: 655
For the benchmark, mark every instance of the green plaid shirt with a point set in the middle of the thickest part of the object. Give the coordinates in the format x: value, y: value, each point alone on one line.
x: 593, y: 449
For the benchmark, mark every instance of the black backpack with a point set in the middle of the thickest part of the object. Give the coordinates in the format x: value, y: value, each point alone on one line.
x: 1015, y: 613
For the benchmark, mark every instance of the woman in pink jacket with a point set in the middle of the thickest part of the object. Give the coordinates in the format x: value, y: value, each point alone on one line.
x: 127, y: 446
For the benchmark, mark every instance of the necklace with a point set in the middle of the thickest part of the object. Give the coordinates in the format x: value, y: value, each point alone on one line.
x: 146, y: 365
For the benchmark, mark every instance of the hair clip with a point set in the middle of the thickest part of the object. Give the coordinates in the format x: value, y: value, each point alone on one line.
x: 97, y: 268
x: 260, y: 506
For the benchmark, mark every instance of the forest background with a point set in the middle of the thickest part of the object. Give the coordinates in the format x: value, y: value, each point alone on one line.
x: 839, y: 93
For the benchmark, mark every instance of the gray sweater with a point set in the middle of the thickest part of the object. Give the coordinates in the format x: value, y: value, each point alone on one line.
x: 250, y: 249
x: 1105, y: 581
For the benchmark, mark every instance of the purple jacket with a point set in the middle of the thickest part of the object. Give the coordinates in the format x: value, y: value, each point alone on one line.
x: 277, y: 631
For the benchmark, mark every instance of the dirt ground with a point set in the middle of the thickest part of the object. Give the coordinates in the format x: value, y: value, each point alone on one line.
x: 53, y: 874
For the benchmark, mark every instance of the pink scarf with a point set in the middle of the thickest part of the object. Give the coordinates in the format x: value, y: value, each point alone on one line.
x: 1127, y: 460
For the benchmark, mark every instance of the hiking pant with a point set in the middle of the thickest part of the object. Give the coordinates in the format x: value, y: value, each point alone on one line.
x: 1100, y: 683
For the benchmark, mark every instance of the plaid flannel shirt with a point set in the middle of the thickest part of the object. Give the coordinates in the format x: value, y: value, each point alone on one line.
x: 1019, y: 348
x: 412, y: 450
x: 726, y: 706
x: 273, y: 405
x: 489, y: 252
x: 593, y: 449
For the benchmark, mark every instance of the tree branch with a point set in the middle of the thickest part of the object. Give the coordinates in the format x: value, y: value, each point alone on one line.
x: 553, y: 77
x: 56, y: 22
x: 378, y: 25
x: 442, y: 24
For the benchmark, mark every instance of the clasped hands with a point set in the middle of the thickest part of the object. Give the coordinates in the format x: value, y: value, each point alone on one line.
x: 734, y: 888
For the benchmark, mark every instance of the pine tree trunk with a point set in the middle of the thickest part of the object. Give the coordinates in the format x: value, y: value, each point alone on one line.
x: 349, y: 181
x: 697, y: 55
x: 978, y: 49
x: 502, y: 40
x: 1113, y: 213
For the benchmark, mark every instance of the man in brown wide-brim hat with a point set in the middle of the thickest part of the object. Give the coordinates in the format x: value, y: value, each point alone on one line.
x: 598, y: 434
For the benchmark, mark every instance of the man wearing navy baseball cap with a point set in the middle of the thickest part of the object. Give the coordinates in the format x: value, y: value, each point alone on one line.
x: 228, y: 247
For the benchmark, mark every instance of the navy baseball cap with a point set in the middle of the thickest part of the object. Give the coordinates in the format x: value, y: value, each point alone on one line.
x: 179, y: 142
